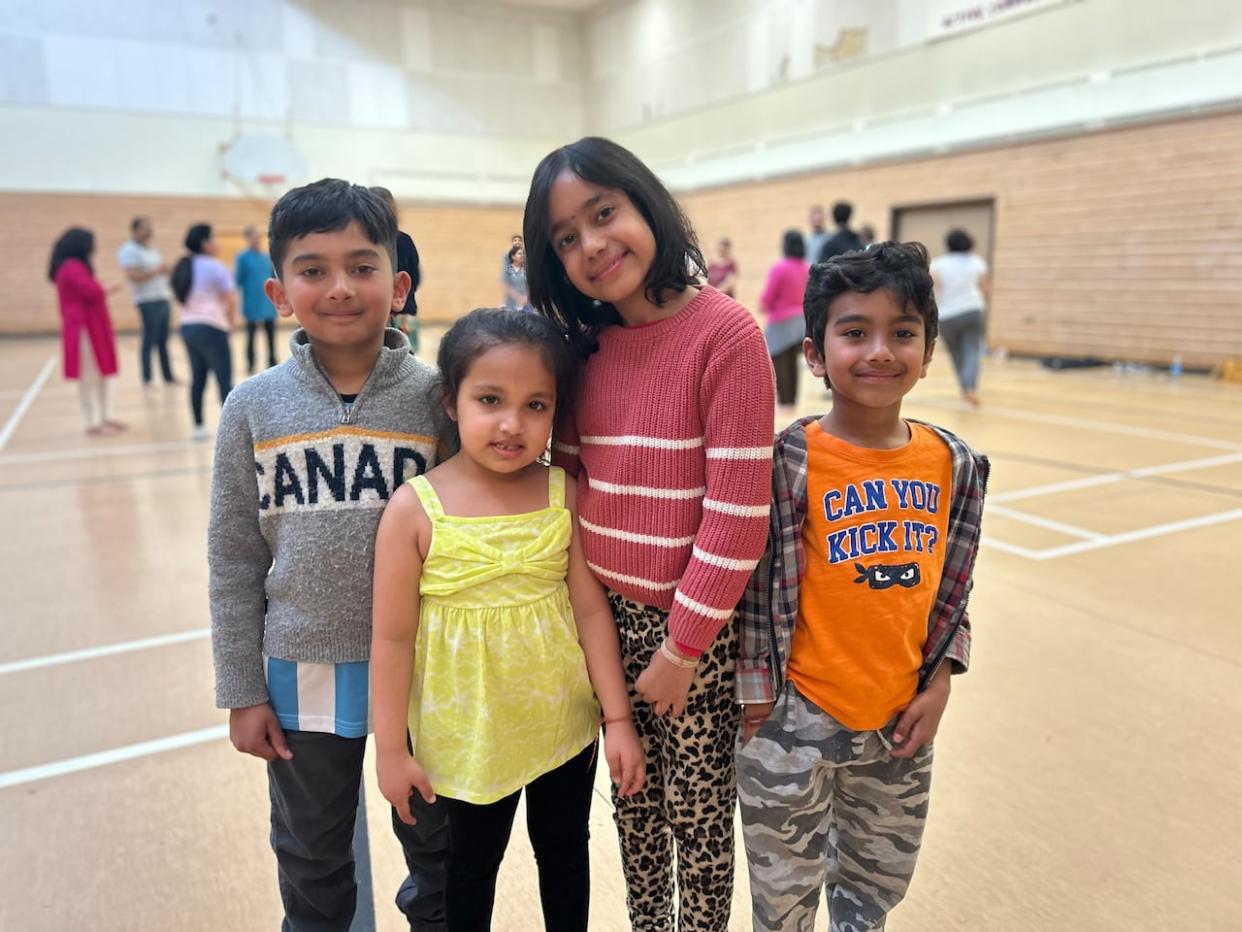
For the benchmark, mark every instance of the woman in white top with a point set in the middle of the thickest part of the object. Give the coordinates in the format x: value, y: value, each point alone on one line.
x: 961, y: 280
x: 205, y: 289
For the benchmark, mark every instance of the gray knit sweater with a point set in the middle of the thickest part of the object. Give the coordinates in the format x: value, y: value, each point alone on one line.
x: 299, y: 484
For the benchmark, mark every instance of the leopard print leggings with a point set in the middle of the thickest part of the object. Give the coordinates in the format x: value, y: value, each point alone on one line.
x: 690, y: 793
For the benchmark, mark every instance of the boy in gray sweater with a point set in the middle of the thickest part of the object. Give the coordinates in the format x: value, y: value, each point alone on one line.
x: 307, y: 456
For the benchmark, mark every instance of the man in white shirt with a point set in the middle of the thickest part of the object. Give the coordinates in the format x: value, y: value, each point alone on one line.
x: 148, y: 280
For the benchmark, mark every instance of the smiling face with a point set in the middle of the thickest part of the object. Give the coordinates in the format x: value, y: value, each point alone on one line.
x: 602, y: 240
x: 505, y: 406
x: 340, y: 286
x: 874, y: 352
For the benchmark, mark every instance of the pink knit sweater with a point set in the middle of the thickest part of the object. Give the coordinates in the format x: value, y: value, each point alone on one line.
x: 672, y: 448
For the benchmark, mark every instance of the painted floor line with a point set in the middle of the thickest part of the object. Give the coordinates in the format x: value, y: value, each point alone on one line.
x: 105, y: 650
x: 1159, y: 530
x: 114, y: 756
x: 1046, y: 523
x: 26, y: 400
x: 83, y: 453
x: 1087, y: 482
x: 1009, y: 548
x: 1062, y: 420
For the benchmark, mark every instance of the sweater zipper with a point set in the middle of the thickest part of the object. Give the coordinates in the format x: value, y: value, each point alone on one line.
x: 347, y: 410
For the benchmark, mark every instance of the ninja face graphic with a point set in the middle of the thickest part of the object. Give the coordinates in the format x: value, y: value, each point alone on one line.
x: 878, y: 576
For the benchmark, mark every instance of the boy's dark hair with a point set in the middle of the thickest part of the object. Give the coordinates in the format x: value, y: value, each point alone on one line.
x: 959, y: 241
x: 793, y: 246
x: 326, y: 206
x: 486, y: 327
x: 842, y: 211
x: 75, y: 243
x: 182, y: 278
x: 902, y: 268
x: 678, y: 261
x: 136, y: 223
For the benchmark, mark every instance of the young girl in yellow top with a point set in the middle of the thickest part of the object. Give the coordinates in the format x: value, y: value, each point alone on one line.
x: 490, y: 631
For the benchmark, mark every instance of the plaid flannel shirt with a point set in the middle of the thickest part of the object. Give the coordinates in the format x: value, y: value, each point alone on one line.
x: 769, y: 608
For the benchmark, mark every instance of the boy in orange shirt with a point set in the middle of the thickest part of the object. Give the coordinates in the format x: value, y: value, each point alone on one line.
x: 856, y: 616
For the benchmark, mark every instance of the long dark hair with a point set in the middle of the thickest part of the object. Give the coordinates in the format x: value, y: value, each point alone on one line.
x: 75, y: 243
x: 182, y: 278
x: 678, y: 261
x: 485, y: 327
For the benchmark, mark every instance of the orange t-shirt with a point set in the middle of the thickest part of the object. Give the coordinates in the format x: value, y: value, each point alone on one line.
x: 874, y: 537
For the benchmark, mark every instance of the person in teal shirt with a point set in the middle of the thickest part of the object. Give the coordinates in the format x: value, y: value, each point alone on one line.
x: 253, y: 269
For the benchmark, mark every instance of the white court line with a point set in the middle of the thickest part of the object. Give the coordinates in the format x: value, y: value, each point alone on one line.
x: 90, y: 653
x: 84, y: 453
x: 1009, y: 548
x: 1158, y: 530
x: 1062, y: 420
x: 27, y: 399
x: 1107, y: 478
x: 114, y: 756
x: 1047, y: 523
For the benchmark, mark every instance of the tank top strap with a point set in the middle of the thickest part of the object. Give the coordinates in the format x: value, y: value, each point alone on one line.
x: 427, y: 495
x: 556, y: 487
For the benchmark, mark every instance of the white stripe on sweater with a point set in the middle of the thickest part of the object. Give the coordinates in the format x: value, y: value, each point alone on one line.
x: 637, y: 440
x: 646, y: 490
x: 737, y: 511
x: 717, y: 613
x: 724, y: 563
x: 633, y: 538
x: 633, y: 580
x: 565, y: 448
x: 740, y: 453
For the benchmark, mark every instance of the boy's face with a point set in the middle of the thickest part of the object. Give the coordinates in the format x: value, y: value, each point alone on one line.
x: 874, y: 349
x: 340, y: 286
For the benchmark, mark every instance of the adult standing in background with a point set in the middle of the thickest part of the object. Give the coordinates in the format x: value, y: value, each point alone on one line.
x: 844, y: 240
x: 961, y: 281
x: 818, y: 235
x: 86, y: 328
x: 148, y: 280
x: 866, y: 236
x: 517, y: 295
x: 205, y: 289
x: 408, y: 262
x: 722, y: 271
x: 781, y: 301
x: 253, y: 269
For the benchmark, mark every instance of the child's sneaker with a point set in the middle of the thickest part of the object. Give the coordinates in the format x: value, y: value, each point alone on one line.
x: 199, y: 434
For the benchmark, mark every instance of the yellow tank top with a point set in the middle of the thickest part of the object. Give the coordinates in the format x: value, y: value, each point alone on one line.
x: 500, y: 691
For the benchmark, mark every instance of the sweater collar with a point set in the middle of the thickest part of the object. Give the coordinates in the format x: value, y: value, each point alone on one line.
x: 393, y: 363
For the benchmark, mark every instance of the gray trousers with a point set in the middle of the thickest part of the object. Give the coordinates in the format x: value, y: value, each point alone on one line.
x: 963, y: 335
x: 826, y: 808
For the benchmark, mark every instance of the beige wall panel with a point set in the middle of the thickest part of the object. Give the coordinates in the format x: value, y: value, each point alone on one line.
x: 1121, y: 244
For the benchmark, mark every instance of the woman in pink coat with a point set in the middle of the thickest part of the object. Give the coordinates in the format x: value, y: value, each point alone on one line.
x: 86, y: 333
x: 781, y: 301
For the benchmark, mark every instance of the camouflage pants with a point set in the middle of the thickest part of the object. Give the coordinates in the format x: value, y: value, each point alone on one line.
x: 827, y: 808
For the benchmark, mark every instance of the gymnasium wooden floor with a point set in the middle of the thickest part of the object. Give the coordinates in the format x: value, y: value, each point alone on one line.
x: 1089, y: 771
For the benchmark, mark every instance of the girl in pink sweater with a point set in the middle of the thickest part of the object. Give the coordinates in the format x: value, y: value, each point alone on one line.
x: 671, y: 444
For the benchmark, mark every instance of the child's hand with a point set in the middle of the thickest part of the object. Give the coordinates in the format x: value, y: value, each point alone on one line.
x: 255, y: 730
x: 753, y: 716
x: 399, y: 776
x: 919, y: 723
x: 627, y: 765
x: 665, y: 686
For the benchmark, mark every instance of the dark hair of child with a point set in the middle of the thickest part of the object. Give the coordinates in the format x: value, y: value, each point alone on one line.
x: 678, y: 262
x: 487, y: 327
x: 959, y: 241
x: 326, y: 206
x: 842, y: 211
x: 901, y: 268
x: 74, y: 243
x: 793, y: 246
x: 182, y: 278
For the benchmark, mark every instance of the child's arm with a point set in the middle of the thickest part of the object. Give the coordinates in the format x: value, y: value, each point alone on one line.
x: 238, y: 561
x: 597, y: 633
x: 919, y: 723
x: 394, y: 627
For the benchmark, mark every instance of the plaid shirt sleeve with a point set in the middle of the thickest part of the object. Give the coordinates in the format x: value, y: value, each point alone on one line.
x: 948, y: 636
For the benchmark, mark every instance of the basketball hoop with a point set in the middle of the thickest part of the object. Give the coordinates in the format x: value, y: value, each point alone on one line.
x: 262, y: 165
x: 271, y: 179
